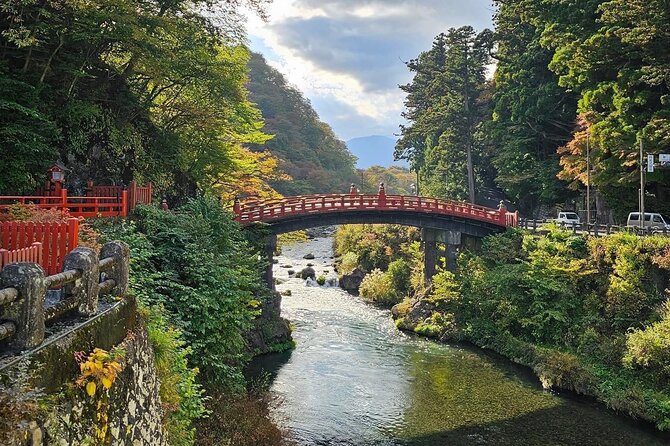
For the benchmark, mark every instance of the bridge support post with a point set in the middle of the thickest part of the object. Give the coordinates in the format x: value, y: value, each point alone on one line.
x: 431, y: 253
x: 268, y: 253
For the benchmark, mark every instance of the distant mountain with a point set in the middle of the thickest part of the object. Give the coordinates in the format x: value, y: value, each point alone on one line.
x: 374, y: 151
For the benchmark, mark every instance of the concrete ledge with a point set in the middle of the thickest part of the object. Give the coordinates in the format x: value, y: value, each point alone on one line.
x: 52, y: 364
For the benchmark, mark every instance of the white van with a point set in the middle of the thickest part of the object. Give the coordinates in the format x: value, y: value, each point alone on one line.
x: 651, y: 220
x: 568, y: 219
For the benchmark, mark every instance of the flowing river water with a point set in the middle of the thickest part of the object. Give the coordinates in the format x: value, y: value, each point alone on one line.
x: 354, y: 379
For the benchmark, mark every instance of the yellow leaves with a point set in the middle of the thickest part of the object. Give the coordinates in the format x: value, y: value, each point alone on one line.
x: 90, y: 388
x: 98, y: 369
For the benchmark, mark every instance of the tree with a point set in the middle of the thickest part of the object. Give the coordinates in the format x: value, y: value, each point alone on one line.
x: 445, y: 106
x: 532, y: 115
x: 619, y: 64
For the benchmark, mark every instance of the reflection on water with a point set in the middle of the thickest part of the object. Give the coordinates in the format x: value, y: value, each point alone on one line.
x: 355, y: 380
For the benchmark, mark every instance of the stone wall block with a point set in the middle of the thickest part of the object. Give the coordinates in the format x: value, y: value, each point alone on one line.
x: 86, y: 289
x: 121, y: 269
x: 27, y: 312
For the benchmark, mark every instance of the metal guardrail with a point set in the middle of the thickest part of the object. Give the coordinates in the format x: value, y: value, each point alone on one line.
x: 85, y: 277
x: 596, y: 230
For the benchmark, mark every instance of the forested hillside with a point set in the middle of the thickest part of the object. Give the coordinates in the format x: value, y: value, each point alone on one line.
x: 126, y: 90
x: 566, y: 73
x: 307, y: 149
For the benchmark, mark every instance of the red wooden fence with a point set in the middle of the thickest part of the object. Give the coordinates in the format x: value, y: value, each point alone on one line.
x: 33, y: 254
x: 57, y: 239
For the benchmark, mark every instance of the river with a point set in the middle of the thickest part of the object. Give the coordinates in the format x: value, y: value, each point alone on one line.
x: 354, y: 379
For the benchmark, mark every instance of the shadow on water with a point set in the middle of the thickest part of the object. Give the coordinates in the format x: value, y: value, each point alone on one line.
x: 536, y: 428
x: 266, y: 367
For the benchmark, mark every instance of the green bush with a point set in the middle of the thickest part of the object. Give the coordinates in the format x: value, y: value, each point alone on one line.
x: 196, y: 263
x: 650, y: 348
x: 400, y: 273
x: 378, y: 286
x: 321, y: 280
x: 181, y: 395
x: 348, y: 263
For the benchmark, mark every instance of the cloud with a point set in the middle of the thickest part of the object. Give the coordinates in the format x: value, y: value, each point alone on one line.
x: 349, y: 53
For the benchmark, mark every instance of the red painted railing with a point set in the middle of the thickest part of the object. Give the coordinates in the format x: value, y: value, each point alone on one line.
x: 136, y: 194
x: 92, y: 206
x: 57, y: 240
x: 33, y: 254
x: 268, y: 211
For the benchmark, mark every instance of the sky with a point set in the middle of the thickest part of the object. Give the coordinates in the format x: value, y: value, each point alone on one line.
x: 346, y: 56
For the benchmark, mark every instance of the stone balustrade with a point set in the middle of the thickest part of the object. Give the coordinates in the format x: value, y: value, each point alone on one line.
x: 86, y: 275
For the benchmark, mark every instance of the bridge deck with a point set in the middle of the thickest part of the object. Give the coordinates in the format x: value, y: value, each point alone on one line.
x: 273, y: 211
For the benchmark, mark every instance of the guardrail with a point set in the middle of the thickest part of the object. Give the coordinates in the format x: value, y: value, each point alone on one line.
x: 57, y: 239
x: 267, y: 211
x: 84, y: 277
x: 592, y: 229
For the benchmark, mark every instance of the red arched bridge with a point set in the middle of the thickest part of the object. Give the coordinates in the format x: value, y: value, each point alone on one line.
x: 302, y: 212
x: 449, y: 222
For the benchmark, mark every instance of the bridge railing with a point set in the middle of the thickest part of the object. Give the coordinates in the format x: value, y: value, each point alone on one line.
x: 255, y: 211
x: 24, y: 309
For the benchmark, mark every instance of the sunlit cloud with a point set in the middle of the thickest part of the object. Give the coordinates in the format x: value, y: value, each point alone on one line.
x: 347, y: 56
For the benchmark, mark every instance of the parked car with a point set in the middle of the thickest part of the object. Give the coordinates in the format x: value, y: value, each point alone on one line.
x: 652, y: 220
x: 568, y: 219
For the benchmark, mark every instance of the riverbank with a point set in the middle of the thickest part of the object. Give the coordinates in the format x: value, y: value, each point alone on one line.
x: 354, y: 379
x: 587, y: 316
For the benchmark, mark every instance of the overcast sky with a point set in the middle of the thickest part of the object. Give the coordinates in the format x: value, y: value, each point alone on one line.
x: 347, y: 56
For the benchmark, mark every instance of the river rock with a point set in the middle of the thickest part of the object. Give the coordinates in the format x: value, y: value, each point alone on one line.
x: 311, y: 283
x: 310, y: 265
x: 331, y: 283
x: 291, y: 273
x: 275, y: 261
x: 286, y: 293
x: 308, y: 273
x: 309, y: 256
x: 352, y: 282
x: 279, y: 281
x: 287, y: 266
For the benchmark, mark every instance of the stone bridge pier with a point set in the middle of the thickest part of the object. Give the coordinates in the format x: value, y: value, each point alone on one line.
x: 453, y: 242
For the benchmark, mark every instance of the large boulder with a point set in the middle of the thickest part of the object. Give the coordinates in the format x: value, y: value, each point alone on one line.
x: 308, y: 273
x: 352, y: 282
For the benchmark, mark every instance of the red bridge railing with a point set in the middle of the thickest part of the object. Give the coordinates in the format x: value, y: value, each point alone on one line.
x: 267, y: 211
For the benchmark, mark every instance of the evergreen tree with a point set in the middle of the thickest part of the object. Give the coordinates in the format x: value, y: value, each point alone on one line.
x: 445, y: 106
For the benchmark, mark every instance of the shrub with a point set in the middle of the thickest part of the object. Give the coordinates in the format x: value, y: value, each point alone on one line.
x: 400, y: 273
x: 378, y: 286
x: 196, y: 263
x: 650, y: 348
x: 181, y: 395
x: 321, y: 280
x: 348, y: 263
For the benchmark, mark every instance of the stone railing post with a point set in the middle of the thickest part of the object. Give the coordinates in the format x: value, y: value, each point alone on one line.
x: 86, y: 289
x: 120, y: 270
x: 27, y: 312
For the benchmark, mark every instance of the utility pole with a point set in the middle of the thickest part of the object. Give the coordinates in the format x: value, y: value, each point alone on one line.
x: 641, y: 185
x: 470, y: 167
x: 588, y: 179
